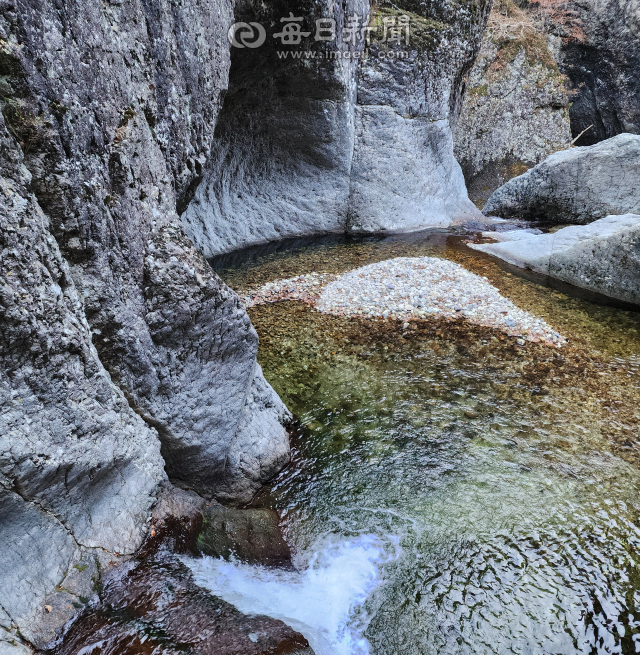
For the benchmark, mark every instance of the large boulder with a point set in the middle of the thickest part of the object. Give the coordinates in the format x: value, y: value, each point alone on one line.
x: 339, y: 137
x: 603, y: 256
x: 516, y: 108
x: 113, y: 144
x: 123, y: 357
x: 578, y: 186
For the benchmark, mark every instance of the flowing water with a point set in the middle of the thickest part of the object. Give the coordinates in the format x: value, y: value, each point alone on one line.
x: 450, y: 491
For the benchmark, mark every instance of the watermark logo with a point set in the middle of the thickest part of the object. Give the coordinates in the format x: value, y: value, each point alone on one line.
x: 392, y: 29
x: 247, y: 35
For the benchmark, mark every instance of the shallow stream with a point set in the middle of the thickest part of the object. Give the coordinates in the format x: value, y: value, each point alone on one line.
x: 450, y: 491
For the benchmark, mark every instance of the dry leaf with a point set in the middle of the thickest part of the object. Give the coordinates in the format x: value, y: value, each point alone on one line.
x: 48, y: 608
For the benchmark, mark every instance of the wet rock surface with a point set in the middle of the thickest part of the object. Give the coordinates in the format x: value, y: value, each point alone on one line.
x: 175, y: 522
x: 153, y: 606
x: 150, y: 603
x: 577, y: 186
x: 249, y: 535
x: 603, y: 256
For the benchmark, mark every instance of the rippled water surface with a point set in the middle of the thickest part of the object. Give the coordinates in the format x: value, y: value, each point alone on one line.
x: 500, y: 482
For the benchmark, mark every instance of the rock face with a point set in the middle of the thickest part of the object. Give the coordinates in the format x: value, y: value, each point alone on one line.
x: 78, y: 468
x: 403, y: 173
x: 250, y: 535
x: 122, y: 355
x: 154, y: 606
x: 603, y: 256
x: 601, y: 56
x: 516, y: 108
x: 578, y: 185
x: 119, y: 146
x: 299, y: 140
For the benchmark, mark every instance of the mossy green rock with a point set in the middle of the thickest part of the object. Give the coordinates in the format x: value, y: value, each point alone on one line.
x: 250, y: 535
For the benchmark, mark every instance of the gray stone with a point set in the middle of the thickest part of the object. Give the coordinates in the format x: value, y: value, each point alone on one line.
x: 77, y: 466
x: 416, y: 183
x: 126, y: 140
x: 578, y: 185
x: 119, y: 344
x: 404, y: 175
x: 516, y: 106
x: 260, y: 447
x: 11, y: 645
x: 284, y: 140
x: 603, y: 256
x: 345, y: 140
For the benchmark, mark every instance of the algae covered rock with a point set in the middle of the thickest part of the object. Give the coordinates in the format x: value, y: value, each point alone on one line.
x: 250, y: 535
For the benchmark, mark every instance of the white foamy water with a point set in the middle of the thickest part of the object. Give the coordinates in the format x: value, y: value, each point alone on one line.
x: 324, y: 601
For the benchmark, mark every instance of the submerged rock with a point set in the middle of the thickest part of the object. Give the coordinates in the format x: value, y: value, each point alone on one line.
x: 250, y: 535
x: 154, y: 606
x: 579, y: 185
x: 603, y: 256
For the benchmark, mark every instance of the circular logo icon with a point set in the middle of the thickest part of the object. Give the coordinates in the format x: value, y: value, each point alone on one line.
x: 243, y: 35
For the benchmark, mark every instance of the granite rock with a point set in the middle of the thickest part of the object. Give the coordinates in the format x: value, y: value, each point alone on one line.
x: 578, y: 185
x: 123, y: 356
x: 603, y: 256
x: 347, y: 135
x: 600, y: 54
x: 516, y: 109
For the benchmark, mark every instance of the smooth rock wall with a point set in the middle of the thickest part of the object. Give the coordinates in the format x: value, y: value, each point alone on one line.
x: 332, y: 142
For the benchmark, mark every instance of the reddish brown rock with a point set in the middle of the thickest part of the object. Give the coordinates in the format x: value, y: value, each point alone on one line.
x: 154, y: 606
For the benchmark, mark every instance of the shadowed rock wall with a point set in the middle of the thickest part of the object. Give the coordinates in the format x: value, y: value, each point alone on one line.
x: 338, y: 139
x: 601, y: 56
x: 516, y: 109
